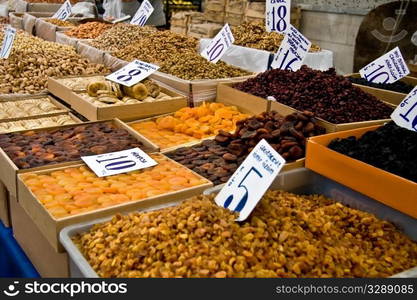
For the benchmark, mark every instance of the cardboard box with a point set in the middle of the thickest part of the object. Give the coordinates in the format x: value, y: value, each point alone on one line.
x: 9, y: 171
x: 392, y: 190
x: 236, y: 6
x: 215, y: 6
x: 385, y: 95
x: 50, y: 226
x: 123, y: 112
x: 4, y: 206
x: 208, y: 30
x: 45, y: 259
x: 178, y: 29
x: 234, y: 19
x: 255, y: 10
x: 215, y: 16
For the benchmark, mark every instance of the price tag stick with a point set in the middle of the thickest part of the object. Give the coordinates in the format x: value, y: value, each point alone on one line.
x: 8, y: 40
x: 64, y: 11
x: 219, y: 45
x: 405, y: 115
x: 142, y: 14
x: 132, y: 73
x: 278, y: 15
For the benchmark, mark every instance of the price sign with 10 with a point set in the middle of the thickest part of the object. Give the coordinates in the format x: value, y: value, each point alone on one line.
x: 132, y: 73
x: 388, y: 68
x: 64, y: 11
x: 250, y: 182
x: 142, y: 14
x: 293, y: 50
x: 277, y: 15
x: 6, y: 48
x: 219, y: 45
x: 405, y: 115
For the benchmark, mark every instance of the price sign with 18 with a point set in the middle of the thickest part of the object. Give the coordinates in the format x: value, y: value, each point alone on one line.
x: 219, y: 45
x: 142, y: 14
x: 389, y: 68
x: 293, y: 50
x: 132, y: 73
x: 277, y: 15
x: 6, y: 48
x: 64, y: 11
x: 405, y: 115
x: 119, y: 162
x: 251, y: 180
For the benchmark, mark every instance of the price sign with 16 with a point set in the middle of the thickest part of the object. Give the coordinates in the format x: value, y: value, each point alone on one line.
x: 250, y: 182
x: 142, y: 14
x: 389, y: 68
x: 219, y: 45
x: 405, y: 115
x: 277, y: 15
x: 132, y: 73
x: 6, y: 48
x: 293, y: 50
x: 64, y: 11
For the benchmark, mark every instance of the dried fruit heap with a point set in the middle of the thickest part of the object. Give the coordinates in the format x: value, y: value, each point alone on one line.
x: 399, y: 86
x: 286, y: 236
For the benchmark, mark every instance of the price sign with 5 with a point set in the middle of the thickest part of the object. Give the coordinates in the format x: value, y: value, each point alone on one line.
x: 277, y: 15
x: 6, y: 48
x: 64, y: 11
x: 142, y: 14
x: 132, y: 73
x: 250, y: 182
x: 219, y: 45
x: 405, y: 115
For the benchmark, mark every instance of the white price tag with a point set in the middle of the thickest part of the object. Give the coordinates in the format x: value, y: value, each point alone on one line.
x: 6, y: 48
x: 405, y: 115
x: 389, y: 68
x: 277, y: 15
x: 142, y: 14
x: 63, y: 12
x: 251, y: 180
x: 132, y: 73
x: 119, y: 162
x: 219, y: 45
x: 293, y: 50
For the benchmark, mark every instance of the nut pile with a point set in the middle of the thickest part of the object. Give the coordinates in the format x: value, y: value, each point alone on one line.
x: 120, y: 36
x: 253, y: 35
x: 60, y: 23
x: 218, y: 159
x: 177, y: 55
x: 77, y: 190
x: 287, y: 235
x: 390, y: 147
x: 27, y: 108
x: 33, y: 149
x: 89, y: 30
x: 190, y: 124
x: 329, y: 96
x: 4, y: 20
x: 399, y: 86
x: 36, y: 123
x: 32, y: 60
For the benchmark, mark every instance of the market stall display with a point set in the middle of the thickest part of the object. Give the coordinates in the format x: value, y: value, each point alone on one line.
x: 58, y: 120
x: 89, y: 30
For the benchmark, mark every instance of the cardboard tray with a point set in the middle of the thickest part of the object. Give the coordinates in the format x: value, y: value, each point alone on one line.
x: 9, y: 171
x: 50, y: 226
x: 392, y: 190
x: 385, y: 95
x: 124, y: 112
x: 301, y: 181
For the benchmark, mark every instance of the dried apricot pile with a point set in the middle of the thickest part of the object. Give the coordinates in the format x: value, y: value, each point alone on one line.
x: 190, y: 124
x: 77, y: 190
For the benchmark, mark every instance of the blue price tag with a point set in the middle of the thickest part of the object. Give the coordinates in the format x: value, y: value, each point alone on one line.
x: 64, y: 11
x: 132, y: 73
x: 277, y: 15
x: 142, y: 14
x: 219, y: 45
x: 6, y: 48
x: 405, y: 115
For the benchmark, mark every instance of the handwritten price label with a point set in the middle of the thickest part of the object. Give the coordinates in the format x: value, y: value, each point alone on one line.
x: 277, y: 15
x: 293, y: 50
x: 389, y: 68
x: 142, y: 14
x: 132, y: 73
x: 250, y: 182
x: 119, y: 162
x: 63, y: 12
x: 405, y: 115
x: 219, y: 45
x: 6, y: 48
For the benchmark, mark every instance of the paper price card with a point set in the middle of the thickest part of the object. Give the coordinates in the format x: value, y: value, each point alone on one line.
x: 132, y: 73
x: 251, y: 180
x: 405, y: 115
x: 6, y: 48
x: 293, y: 50
x: 277, y: 15
x: 389, y: 68
x: 219, y: 45
x: 63, y: 12
x: 142, y: 14
x: 119, y: 162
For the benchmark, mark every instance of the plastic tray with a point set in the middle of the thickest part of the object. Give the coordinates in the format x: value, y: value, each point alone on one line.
x: 300, y: 181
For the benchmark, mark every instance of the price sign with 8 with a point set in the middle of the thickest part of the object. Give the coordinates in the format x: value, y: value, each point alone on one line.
x: 142, y: 14
x: 219, y: 45
x: 250, y: 182
x: 132, y: 73
x: 64, y: 11
x: 6, y: 48
x: 405, y: 115
x: 277, y: 15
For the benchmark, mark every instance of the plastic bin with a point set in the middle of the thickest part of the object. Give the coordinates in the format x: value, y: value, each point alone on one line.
x: 13, y: 261
x: 300, y: 181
